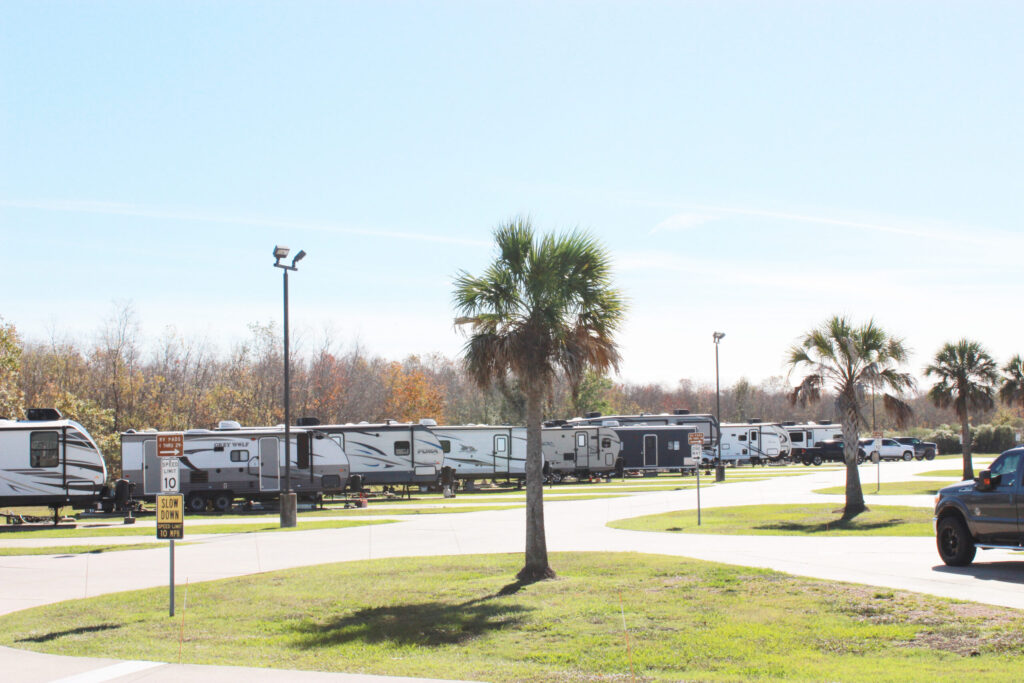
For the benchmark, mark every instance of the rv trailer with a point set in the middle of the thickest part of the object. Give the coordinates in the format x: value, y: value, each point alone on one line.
x: 705, y: 423
x: 655, y: 447
x: 754, y: 442
x: 232, y: 461
x: 578, y: 450
x: 47, y: 460
x: 804, y: 439
x: 483, y: 451
x: 389, y: 452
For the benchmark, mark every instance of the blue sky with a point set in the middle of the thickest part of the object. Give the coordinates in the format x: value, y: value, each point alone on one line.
x: 753, y: 167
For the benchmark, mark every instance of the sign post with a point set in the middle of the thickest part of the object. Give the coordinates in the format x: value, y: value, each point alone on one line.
x: 877, y: 436
x: 696, y: 440
x: 170, y: 505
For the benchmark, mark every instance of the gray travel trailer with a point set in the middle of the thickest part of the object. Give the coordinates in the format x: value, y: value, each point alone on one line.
x: 389, y: 452
x: 483, y: 451
x: 47, y: 460
x: 655, y: 447
x: 579, y: 450
x: 705, y: 423
x: 220, y: 465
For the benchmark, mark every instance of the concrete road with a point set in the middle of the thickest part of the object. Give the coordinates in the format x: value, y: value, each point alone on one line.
x: 900, y: 563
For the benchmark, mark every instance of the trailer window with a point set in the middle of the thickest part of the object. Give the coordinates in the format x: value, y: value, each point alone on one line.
x: 401, y: 448
x: 302, y: 444
x: 742, y: 437
x: 581, y: 440
x: 446, y: 446
x: 796, y: 437
x: 673, y: 445
x: 606, y: 442
x: 44, y: 449
x: 239, y: 456
x: 501, y: 444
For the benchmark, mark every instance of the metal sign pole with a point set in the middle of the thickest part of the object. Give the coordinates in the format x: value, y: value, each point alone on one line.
x: 698, y: 495
x: 172, y: 577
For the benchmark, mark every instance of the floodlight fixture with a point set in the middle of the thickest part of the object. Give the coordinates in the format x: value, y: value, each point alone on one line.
x: 717, y: 336
x: 298, y: 257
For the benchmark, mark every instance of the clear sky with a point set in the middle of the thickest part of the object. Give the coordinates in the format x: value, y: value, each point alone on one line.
x: 753, y: 167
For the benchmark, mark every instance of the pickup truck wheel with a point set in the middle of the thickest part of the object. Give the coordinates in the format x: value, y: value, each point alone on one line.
x: 817, y: 460
x: 956, y: 547
x: 908, y: 456
x: 929, y: 455
x: 918, y: 457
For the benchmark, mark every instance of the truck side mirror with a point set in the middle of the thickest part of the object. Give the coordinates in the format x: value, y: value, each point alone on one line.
x: 985, y: 481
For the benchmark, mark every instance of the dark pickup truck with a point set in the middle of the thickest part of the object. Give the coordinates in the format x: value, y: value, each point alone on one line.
x: 923, y: 450
x: 985, y: 513
x: 830, y: 450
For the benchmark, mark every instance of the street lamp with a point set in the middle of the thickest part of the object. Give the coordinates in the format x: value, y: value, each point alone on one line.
x: 717, y: 336
x: 288, y: 502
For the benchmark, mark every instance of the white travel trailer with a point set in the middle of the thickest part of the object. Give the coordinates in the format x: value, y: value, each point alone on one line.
x: 579, y: 449
x: 388, y: 452
x: 483, y: 451
x: 754, y: 442
x: 47, y: 460
x: 702, y: 422
x: 232, y: 461
x: 804, y: 438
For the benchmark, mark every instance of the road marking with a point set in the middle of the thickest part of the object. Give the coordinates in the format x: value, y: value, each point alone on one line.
x: 108, y: 673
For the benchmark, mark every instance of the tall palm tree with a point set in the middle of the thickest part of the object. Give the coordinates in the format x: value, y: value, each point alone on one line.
x: 966, y: 376
x: 839, y: 357
x: 545, y: 304
x: 1012, y: 390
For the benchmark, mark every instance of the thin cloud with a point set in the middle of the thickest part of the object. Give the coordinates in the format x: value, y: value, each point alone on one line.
x: 681, y: 222
x: 142, y: 211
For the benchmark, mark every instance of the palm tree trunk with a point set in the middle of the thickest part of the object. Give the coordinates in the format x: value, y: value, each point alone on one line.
x: 854, y: 494
x: 536, y: 567
x: 965, y: 438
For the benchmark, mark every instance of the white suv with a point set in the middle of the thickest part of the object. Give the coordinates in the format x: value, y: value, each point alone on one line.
x: 887, y: 449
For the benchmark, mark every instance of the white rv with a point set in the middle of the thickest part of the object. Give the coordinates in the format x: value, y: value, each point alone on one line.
x: 705, y: 423
x: 804, y: 438
x: 388, y: 452
x: 47, y: 460
x: 754, y: 442
x: 579, y: 450
x: 483, y: 451
x: 232, y: 461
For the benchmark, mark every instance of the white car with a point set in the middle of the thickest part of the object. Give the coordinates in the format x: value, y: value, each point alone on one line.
x: 887, y: 449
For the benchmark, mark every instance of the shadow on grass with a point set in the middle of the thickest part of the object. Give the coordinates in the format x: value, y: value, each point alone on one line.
x: 428, y: 624
x: 823, y: 527
x: 54, y: 635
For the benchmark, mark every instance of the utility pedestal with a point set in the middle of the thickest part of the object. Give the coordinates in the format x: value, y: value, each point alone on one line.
x: 720, y: 473
x: 289, y: 510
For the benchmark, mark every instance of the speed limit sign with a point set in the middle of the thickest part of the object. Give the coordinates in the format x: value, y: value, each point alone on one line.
x: 168, y: 475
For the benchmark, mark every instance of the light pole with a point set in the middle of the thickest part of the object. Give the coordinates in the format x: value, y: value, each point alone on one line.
x: 719, y: 473
x: 288, y: 502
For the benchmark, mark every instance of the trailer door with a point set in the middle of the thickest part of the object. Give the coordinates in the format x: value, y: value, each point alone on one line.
x: 270, y: 464
x: 150, y: 468
x: 650, y: 450
x: 582, y: 450
x: 501, y: 454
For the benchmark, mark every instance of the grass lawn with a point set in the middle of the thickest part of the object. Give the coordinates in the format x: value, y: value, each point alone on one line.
x: 242, y: 528
x: 608, y: 617
x: 893, y: 488
x: 944, y: 473
x: 819, y: 519
x: 82, y: 549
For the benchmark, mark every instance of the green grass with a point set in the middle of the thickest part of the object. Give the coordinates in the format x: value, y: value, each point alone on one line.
x: 81, y: 549
x: 942, y: 473
x: 892, y: 488
x: 608, y: 617
x: 819, y: 519
x: 241, y: 528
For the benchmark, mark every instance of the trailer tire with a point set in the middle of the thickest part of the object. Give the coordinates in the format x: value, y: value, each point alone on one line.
x: 222, y: 501
x: 620, y: 468
x: 355, y: 482
x: 817, y: 460
x: 556, y: 477
x: 195, y: 503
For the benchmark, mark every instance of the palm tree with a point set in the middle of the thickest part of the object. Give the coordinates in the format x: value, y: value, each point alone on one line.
x: 838, y: 357
x: 1012, y: 390
x: 544, y: 305
x: 966, y: 380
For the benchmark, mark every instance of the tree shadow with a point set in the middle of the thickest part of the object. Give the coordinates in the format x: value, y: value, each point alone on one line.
x: 427, y: 624
x: 823, y: 527
x: 54, y: 635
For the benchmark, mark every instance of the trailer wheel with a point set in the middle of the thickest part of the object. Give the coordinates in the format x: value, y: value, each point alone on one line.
x: 556, y: 477
x: 817, y: 460
x: 222, y: 501
x: 195, y: 503
x: 355, y: 482
x: 620, y: 468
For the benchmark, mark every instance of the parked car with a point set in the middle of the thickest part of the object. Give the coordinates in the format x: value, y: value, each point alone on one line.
x: 887, y: 449
x: 923, y: 450
x: 984, y: 513
x: 829, y: 450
